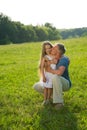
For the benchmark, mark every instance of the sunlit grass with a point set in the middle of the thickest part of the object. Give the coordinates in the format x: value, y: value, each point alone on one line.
x: 20, y: 105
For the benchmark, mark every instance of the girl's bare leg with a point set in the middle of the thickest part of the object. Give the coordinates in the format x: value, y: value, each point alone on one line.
x: 45, y: 93
x: 49, y: 93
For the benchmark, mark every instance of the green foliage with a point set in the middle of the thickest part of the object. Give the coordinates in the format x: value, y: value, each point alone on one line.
x: 70, y: 33
x: 20, y: 104
x: 16, y: 32
x: 42, y: 33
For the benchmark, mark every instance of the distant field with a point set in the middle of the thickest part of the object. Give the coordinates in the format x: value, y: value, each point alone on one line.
x: 20, y: 105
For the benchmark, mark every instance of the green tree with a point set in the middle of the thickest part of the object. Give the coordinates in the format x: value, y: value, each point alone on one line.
x: 4, y: 29
x: 30, y: 33
x: 41, y: 33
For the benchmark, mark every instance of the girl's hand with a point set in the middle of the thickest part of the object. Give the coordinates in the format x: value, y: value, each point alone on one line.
x: 44, y: 79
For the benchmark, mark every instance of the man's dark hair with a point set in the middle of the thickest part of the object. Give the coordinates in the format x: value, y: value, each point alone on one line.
x: 61, y: 48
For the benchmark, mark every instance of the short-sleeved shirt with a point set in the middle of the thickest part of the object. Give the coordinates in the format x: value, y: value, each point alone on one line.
x: 64, y: 61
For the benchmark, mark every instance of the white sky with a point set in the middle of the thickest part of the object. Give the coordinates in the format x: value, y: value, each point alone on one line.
x: 60, y: 13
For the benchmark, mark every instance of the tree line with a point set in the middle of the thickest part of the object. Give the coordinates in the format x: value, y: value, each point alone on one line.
x: 16, y: 32
x: 70, y: 33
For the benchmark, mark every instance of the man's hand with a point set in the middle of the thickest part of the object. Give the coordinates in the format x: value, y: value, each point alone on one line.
x: 54, y: 61
x: 48, y: 69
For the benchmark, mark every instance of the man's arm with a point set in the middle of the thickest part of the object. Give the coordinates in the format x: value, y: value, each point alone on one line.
x: 59, y: 71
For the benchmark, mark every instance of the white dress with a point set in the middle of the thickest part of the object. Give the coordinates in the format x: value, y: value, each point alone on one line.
x: 48, y: 75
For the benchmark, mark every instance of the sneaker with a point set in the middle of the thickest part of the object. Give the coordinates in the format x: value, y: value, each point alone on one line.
x: 44, y: 102
x: 47, y: 101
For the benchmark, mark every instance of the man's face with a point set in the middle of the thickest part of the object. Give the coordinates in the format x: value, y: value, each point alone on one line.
x: 54, y: 50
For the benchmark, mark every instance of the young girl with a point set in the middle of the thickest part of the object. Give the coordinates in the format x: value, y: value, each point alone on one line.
x: 47, y: 59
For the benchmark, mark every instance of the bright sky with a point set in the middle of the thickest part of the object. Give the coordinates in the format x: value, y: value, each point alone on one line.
x: 60, y: 13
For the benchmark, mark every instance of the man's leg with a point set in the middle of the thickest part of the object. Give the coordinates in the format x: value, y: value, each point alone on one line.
x: 37, y: 86
x: 60, y: 84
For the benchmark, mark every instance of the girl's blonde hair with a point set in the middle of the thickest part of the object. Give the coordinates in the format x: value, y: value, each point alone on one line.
x: 43, y: 48
x: 43, y: 53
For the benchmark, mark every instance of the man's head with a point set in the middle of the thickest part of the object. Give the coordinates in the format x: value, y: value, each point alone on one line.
x: 59, y: 48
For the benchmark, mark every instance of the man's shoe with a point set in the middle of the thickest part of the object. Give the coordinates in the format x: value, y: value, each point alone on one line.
x: 58, y: 106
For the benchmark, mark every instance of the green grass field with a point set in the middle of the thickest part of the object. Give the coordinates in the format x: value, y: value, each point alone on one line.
x: 20, y: 104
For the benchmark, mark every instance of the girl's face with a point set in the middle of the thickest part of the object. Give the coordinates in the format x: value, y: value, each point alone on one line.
x: 48, y: 49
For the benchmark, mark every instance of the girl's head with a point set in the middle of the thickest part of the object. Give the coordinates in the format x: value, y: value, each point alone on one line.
x: 46, y: 48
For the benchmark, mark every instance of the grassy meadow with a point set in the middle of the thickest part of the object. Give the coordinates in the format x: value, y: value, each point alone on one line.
x: 20, y: 104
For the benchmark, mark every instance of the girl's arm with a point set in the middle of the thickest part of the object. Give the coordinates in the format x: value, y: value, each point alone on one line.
x: 42, y: 70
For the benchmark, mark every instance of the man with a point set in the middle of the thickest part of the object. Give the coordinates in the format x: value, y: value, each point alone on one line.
x: 61, y: 81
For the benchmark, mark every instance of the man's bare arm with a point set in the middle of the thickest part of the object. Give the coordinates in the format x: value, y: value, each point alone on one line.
x: 59, y: 71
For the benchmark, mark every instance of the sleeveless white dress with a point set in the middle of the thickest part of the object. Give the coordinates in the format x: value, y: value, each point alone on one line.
x: 48, y: 75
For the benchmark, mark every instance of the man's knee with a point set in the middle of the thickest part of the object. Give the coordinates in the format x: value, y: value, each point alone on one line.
x: 37, y: 87
x: 34, y: 86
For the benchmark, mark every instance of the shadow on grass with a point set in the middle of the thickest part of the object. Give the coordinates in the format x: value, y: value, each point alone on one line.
x: 51, y: 119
